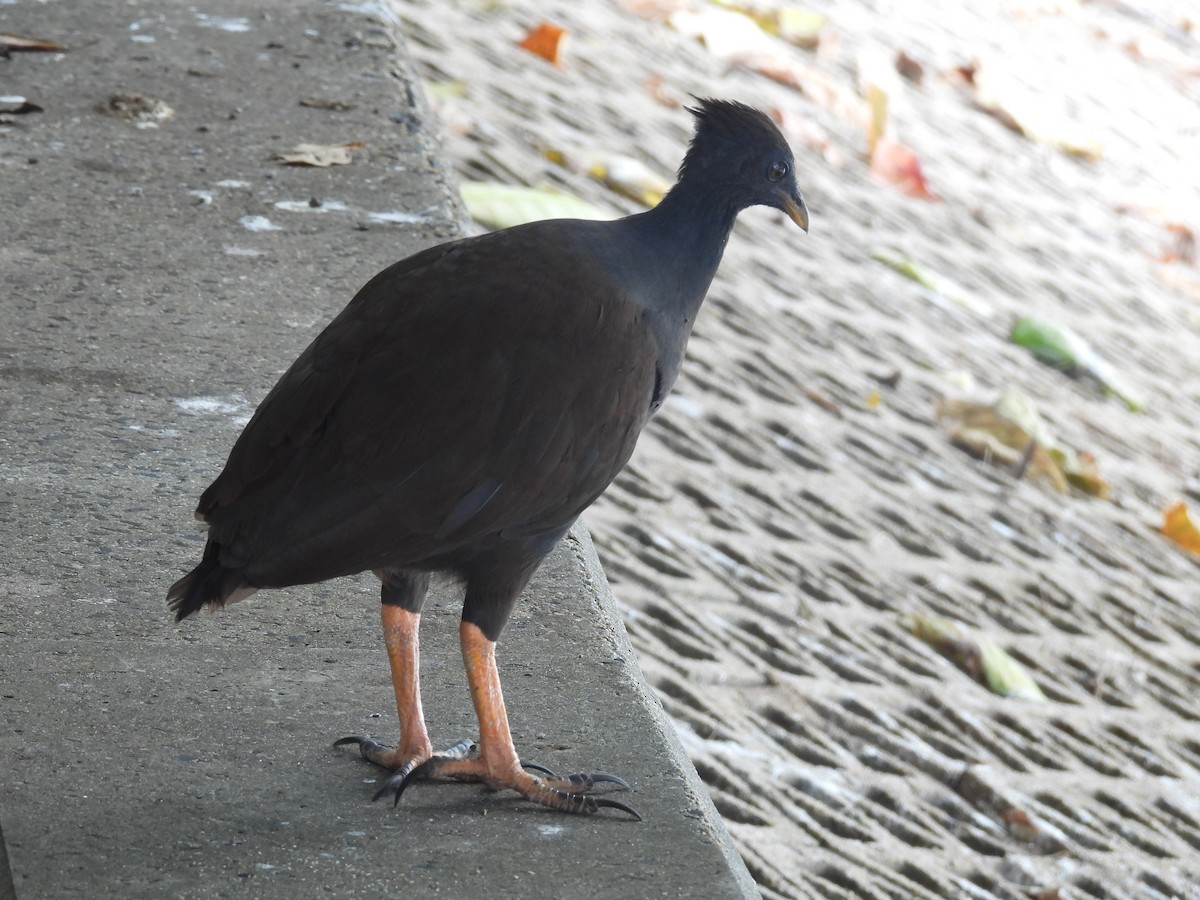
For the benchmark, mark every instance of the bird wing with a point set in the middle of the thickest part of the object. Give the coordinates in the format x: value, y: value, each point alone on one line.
x: 486, y: 387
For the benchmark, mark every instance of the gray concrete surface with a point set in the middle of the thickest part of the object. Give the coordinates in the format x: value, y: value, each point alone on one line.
x: 157, y: 280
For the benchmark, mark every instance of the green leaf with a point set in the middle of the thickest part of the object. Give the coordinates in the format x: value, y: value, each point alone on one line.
x: 1052, y: 344
x: 940, y: 285
x: 1063, y: 348
x: 504, y: 205
x: 1005, y: 676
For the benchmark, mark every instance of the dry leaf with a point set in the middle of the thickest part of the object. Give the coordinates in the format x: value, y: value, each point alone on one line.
x: 896, y: 164
x: 327, y: 103
x: 822, y: 401
x: 877, y: 102
x: 629, y: 177
x: 1183, y: 245
x: 320, y: 155
x: 982, y: 659
x: 1031, y: 111
x: 909, y: 68
x: 729, y: 35
x: 984, y: 432
x: 793, y: 24
x: 1180, y: 528
x: 546, y: 40
x: 445, y: 90
x: 892, y: 162
x: 14, y: 43
x: 1010, y: 433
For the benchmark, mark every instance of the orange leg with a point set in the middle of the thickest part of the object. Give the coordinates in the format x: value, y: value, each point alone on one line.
x: 400, y: 636
x: 497, y: 763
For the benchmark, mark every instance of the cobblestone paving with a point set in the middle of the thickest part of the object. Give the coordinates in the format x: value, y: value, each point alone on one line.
x: 798, y: 496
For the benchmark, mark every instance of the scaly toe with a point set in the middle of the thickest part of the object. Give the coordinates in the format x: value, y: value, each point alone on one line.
x: 578, y: 783
x: 370, y: 750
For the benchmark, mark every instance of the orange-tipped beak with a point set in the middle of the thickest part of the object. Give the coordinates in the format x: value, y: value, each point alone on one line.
x: 795, y: 208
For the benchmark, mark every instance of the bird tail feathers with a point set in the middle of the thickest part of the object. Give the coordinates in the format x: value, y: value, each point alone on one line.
x: 209, y: 584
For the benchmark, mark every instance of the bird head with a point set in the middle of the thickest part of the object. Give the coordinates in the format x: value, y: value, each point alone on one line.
x: 738, y: 150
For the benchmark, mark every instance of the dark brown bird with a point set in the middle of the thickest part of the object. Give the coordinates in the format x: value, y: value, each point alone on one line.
x: 460, y: 413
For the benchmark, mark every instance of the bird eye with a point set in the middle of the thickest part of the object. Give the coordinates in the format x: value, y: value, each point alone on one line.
x: 777, y: 170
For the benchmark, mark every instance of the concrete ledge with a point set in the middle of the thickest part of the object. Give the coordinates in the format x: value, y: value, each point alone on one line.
x: 160, y: 275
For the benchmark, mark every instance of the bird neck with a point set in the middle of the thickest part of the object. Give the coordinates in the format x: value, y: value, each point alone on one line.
x: 686, y: 233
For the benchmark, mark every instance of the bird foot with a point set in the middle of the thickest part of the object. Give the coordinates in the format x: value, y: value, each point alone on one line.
x: 462, y: 762
x: 397, y: 759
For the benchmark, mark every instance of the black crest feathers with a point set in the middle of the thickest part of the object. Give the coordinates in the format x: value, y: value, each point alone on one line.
x: 725, y: 129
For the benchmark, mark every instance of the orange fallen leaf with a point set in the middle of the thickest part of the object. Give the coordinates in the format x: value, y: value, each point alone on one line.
x: 547, y: 41
x: 1179, y: 527
x: 897, y: 165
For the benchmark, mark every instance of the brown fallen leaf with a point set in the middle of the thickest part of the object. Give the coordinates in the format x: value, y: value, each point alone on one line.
x: 909, y: 68
x: 1180, y: 528
x: 546, y: 40
x: 822, y: 401
x: 12, y: 43
x: 320, y: 155
x: 1010, y: 433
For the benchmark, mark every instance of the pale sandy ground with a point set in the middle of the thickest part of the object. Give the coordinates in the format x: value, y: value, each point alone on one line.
x: 765, y: 545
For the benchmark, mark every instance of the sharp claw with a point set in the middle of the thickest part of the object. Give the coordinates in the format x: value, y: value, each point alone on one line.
x: 616, y: 804
x: 366, y: 745
x: 581, y: 780
x: 412, y: 773
x: 397, y: 782
x: 599, y: 777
